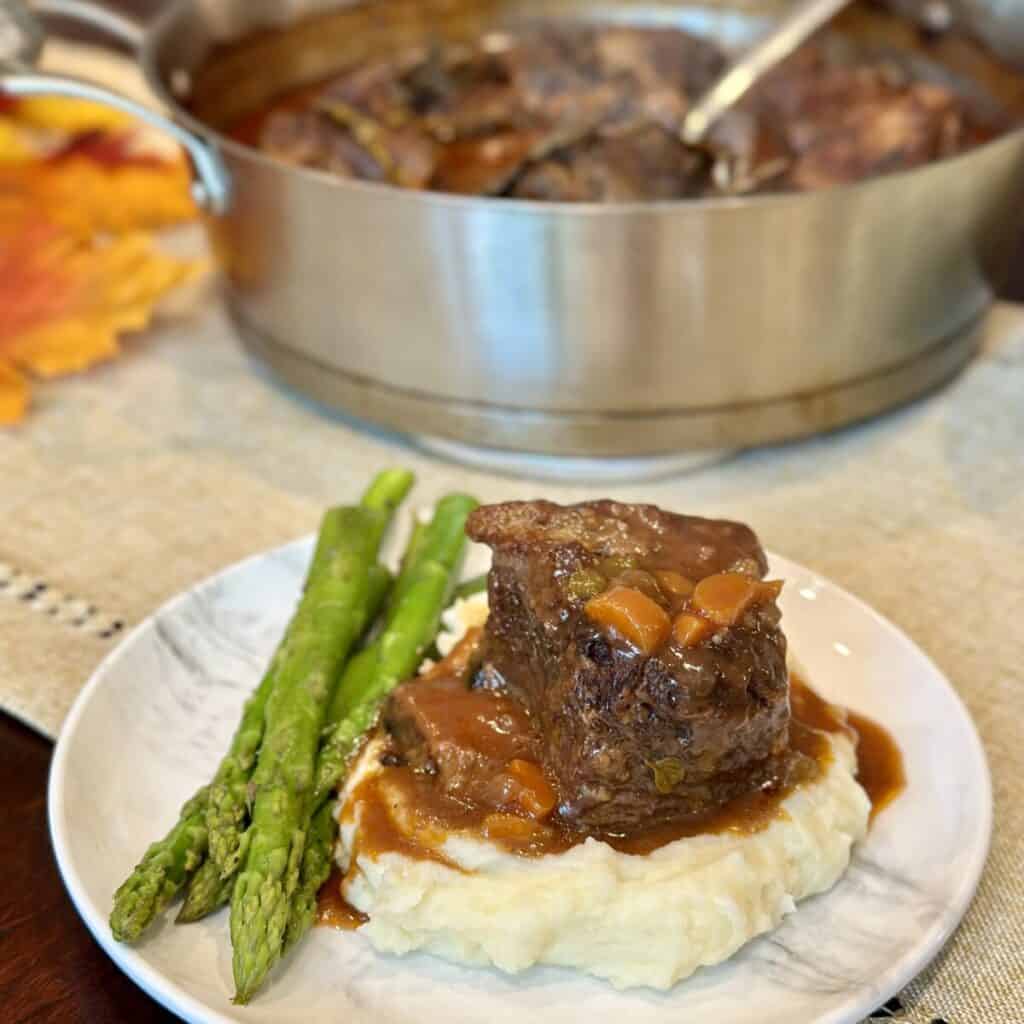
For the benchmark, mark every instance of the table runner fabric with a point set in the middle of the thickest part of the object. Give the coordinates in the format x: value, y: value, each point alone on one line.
x: 134, y: 481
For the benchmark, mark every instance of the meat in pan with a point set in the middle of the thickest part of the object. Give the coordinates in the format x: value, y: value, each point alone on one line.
x: 566, y: 112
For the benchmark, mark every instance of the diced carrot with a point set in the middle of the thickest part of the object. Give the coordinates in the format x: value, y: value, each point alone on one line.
x: 534, y: 794
x: 634, y: 615
x: 724, y: 597
x: 508, y: 826
x: 690, y: 629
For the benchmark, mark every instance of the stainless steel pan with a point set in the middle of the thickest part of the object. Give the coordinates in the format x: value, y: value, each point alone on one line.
x: 557, y: 328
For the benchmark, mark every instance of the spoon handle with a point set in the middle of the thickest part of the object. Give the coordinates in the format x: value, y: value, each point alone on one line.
x: 796, y: 27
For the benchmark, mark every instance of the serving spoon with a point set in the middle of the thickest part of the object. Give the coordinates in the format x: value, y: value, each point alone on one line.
x: 795, y: 28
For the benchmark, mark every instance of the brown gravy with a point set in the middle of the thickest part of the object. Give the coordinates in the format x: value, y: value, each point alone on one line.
x: 433, y: 813
x: 332, y: 909
x: 879, y: 762
x: 436, y: 814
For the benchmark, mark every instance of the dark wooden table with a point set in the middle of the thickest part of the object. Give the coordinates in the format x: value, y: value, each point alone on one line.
x: 51, y: 970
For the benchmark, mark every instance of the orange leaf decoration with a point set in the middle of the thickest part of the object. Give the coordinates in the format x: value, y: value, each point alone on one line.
x: 77, y: 266
x: 90, y: 197
x: 33, y: 284
x: 89, y: 192
x: 13, y: 395
x: 109, y: 287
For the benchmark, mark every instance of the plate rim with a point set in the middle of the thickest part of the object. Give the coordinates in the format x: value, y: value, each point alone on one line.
x: 179, y: 1001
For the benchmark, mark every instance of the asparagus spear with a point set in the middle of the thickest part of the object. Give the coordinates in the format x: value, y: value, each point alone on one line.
x: 442, y: 540
x: 360, y: 668
x: 229, y: 798
x: 413, y: 547
x: 316, y: 866
x: 207, y: 889
x: 166, y: 865
x: 411, y: 626
x: 225, y: 809
x: 161, y: 872
x: 372, y: 679
x: 168, y: 862
x: 371, y: 675
x: 387, y: 491
x: 205, y: 893
x: 316, y: 858
x: 472, y: 586
x: 330, y: 617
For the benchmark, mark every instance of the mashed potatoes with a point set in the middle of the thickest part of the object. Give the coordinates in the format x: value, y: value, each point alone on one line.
x: 634, y: 920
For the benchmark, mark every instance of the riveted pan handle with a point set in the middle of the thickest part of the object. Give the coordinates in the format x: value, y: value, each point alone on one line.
x: 21, y: 38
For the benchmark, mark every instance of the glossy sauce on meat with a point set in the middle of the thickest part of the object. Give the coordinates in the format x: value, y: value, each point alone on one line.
x: 437, y: 813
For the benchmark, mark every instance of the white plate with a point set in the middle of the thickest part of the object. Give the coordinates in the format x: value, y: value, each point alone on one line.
x: 152, y: 722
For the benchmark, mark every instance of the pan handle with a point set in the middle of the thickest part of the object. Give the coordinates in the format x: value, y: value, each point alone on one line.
x: 20, y: 41
x: 95, y: 15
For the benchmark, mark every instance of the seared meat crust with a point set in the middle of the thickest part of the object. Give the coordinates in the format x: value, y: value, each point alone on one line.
x: 632, y: 740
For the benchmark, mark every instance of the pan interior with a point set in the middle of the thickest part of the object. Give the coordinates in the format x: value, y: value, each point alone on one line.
x: 228, y: 58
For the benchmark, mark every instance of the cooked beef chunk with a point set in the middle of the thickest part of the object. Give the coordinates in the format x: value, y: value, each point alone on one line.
x: 308, y: 138
x: 634, y: 737
x: 464, y: 736
x: 844, y: 120
x: 891, y: 133
x: 645, y: 163
x: 377, y: 88
x: 554, y: 110
x: 483, y: 166
x: 339, y: 139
